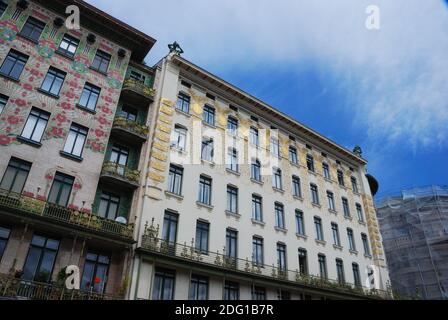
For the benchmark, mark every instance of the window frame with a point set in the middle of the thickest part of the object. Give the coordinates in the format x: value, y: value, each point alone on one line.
x: 70, y: 41
x: 100, y: 58
x: 18, y: 59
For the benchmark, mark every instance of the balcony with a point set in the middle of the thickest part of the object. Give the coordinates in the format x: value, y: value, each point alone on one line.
x: 120, y: 175
x: 188, y: 255
x: 27, y: 206
x: 12, y: 288
x: 130, y: 130
x: 138, y: 90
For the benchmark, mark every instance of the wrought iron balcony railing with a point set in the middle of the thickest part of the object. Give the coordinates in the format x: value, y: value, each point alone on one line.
x: 18, y: 289
x: 139, y: 88
x: 123, y: 173
x: 131, y: 126
x: 187, y: 253
x: 29, y: 205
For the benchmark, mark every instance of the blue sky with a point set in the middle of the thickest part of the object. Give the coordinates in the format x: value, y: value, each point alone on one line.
x: 386, y: 89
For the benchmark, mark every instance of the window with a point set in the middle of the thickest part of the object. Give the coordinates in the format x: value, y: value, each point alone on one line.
x: 255, y: 171
x: 4, y: 236
x: 179, y: 138
x: 32, y: 29
x: 137, y: 76
x: 109, y: 205
x: 341, y: 178
x: 254, y: 136
x: 231, y: 243
x: 275, y: 147
x: 75, y: 140
x: 175, y: 179
x: 351, y: 239
x: 281, y: 257
x: 128, y: 113
x: 163, y: 284
x: 13, y: 64
x: 232, y: 125
x: 101, y: 61
x: 258, y: 293
x: 310, y: 162
x: 326, y: 171
x: 322, y: 266
x: 3, y: 7
x: 346, y: 207
x: 3, y: 102
x: 119, y: 156
x: 232, y: 199
x: 335, y: 231
x: 340, y: 271
x: 231, y: 291
x: 365, y: 243
x: 359, y: 212
x: 35, y: 125
x: 61, y: 189
x: 314, y: 194
x: 209, y: 115
x: 198, y: 288
x: 356, y: 275
x: 89, y: 96
x: 354, y: 185
x: 96, y: 269
x: 232, y: 159
x: 207, y: 149
x: 300, y: 223
x: 202, y: 235
x: 183, y: 102
x: 279, y: 216
x: 68, y: 46
x: 293, y: 155
x: 257, y: 208
x: 169, y: 231
x: 40, y: 259
x: 318, y: 227
x: 303, y: 262
x: 296, y: 189
x: 15, y: 175
x: 277, y: 179
x: 53, y: 81
x: 257, y: 251
x: 330, y: 198
x: 205, y: 190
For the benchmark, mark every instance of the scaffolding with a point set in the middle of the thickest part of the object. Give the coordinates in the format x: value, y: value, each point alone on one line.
x: 414, y: 227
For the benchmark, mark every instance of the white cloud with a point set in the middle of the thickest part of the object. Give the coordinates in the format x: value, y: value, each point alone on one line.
x: 396, y: 79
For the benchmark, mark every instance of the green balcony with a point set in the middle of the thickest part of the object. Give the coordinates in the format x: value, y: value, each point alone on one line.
x: 120, y: 175
x: 130, y: 130
x: 138, y: 88
x: 29, y: 207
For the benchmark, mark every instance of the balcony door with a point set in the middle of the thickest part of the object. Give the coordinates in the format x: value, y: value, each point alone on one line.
x: 119, y: 156
x: 41, y: 258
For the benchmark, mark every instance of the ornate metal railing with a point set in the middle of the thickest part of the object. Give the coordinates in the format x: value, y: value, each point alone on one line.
x: 120, y: 171
x: 16, y: 288
x: 31, y: 206
x: 152, y: 243
x: 139, y: 87
x: 131, y: 126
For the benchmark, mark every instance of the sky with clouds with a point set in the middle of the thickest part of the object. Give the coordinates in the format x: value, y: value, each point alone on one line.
x: 386, y: 89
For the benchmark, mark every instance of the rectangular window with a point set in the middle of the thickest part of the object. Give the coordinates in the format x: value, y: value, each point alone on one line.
x: 169, y: 231
x: 101, y: 61
x: 74, y: 144
x: 232, y: 199
x: 340, y: 271
x: 89, y: 97
x: 109, y: 204
x: 354, y: 185
x: 209, y: 115
x: 205, y: 190
x: 137, y: 76
x: 258, y: 293
x: 277, y: 179
x: 293, y: 155
x: 281, y: 257
x: 254, y: 136
x: 68, y: 46
x: 35, y: 125
x: 119, y: 156
x: 163, y: 284
x: 207, y: 149
x: 183, y: 102
x: 3, y: 102
x: 128, y: 113
x: 356, y: 275
x: 341, y: 178
x: 3, y: 7
x: 231, y: 243
x: 310, y: 163
x: 351, y: 239
x: 53, y: 81
x: 326, y: 171
x: 255, y: 170
x: 303, y: 262
x: 14, y: 64
x: 61, y: 189
x: 4, y: 237
x: 365, y: 243
x: 179, y: 138
x: 335, y: 231
x: 175, y: 179
x: 202, y: 236
x: 257, y: 251
x: 314, y: 194
x: 330, y: 198
x: 300, y: 223
x: 40, y: 259
x: 279, y: 216
x: 359, y: 212
x: 318, y: 227
x: 95, y: 274
x: 257, y: 208
x: 232, y: 160
x: 231, y: 291
x: 32, y: 29
x: 198, y: 288
x: 322, y: 266
x: 275, y: 147
x: 345, y: 207
x: 232, y: 125
x: 15, y: 175
x: 296, y: 188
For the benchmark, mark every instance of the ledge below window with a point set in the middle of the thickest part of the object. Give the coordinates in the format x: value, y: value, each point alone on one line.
x: 333, y: 211
x: 85, y: 109
x: 301, y: 236
x: 338, y: 247
x: 70, y: 156
x: 257, y: 181
x: 260, y: 223
x: 281, y: 229
x: 8, y: 77
x: 233, y: 172
x: 232, y: 214
x: 278, y: 190
x: 174, y: 195
x: 98, y: 71
x: 29, y: 142
x: 354, y: 252
x: 65, y: 55
x: 49, y: 94
x: 201, y: 204
x: 321, y: 242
